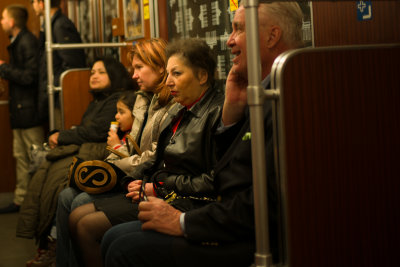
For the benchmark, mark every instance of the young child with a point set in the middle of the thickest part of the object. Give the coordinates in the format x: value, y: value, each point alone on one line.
x: 124, y: 118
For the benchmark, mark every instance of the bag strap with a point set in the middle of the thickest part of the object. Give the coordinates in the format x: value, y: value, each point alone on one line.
x: 116, y: 152
x: 135, y: 145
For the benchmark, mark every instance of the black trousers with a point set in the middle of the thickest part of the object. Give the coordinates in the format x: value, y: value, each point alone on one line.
x: 127, y: 245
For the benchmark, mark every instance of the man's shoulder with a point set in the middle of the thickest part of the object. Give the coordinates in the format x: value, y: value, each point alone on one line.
x: 61, y: 21
x: 26, y: 33
x: 26, y: 37
x: 64, y: 30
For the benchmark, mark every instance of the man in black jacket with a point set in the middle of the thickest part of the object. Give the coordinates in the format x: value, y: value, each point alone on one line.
x: 63, y: 32
x: 221, y: 233
x: 22, y: 75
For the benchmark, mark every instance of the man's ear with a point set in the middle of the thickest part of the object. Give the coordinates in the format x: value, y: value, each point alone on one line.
x: 275, y: 35
x: 12, y: 22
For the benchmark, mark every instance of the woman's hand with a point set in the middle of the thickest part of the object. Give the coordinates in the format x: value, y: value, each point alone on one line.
x: 53, y: 140
x: 134, y: 186
x: 134, y: 189
x: 113, y: 139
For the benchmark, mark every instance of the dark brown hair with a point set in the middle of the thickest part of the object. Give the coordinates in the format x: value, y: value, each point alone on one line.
x: 19, y: 13
x: 196, y: 54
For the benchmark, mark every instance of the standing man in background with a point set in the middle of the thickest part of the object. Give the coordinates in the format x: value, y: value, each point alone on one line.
x: 22, y: 75
x: 63, y: 32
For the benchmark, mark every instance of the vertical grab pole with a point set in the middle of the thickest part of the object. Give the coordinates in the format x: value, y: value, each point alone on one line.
x: 49, y: 60
x: 255, y: 98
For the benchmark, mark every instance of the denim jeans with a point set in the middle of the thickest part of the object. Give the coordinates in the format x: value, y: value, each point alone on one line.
x: 68, y: 200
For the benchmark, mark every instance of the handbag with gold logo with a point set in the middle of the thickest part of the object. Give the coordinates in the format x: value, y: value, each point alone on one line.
x: 95, y: 176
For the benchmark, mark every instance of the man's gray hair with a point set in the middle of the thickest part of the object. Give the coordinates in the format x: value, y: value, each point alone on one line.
x: 289, y: 17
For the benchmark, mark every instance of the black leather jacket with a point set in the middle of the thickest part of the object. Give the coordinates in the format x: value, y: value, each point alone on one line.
x: 184, y: 160
x: 22, y: 74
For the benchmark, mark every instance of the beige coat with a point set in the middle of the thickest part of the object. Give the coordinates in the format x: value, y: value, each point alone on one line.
x: 139, y: 113
x: 151, y: 132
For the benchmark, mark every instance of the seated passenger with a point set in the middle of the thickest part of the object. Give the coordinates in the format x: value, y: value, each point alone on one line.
x: 185, y: 152
x: 220, y: 233
x: 149, y: 63
x: 123, y: 124
x: 108, y: 78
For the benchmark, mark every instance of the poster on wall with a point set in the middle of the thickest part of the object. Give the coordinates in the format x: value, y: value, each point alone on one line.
x: 109, y: 11
x: 133, y: 19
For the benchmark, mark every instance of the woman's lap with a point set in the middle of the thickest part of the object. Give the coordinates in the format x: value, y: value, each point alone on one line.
x: 118, y: 208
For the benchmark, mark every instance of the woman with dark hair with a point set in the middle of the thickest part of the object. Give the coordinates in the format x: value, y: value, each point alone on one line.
x: 185, y: 154
x: 87, y: 140
x: 108, y: 77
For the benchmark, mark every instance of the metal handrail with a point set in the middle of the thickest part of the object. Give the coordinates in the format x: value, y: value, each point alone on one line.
x: 88, y: 45
x: 255, y: 99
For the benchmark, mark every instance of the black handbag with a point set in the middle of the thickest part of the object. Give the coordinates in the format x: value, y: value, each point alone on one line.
x: 95, y: 176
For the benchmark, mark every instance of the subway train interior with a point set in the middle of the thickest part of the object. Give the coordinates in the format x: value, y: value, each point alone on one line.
x: 334, y: 127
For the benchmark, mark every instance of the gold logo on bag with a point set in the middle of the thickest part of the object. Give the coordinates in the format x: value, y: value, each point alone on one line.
x: 95, y: 176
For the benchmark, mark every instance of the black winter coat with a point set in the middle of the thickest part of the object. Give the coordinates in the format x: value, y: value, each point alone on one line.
x: 95, y: 122
x: 22, y: 74
x: 231, y: 218
x: 63, y: 32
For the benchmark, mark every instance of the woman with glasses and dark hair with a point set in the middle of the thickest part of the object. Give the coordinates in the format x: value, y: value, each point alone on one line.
x: 185, y: 156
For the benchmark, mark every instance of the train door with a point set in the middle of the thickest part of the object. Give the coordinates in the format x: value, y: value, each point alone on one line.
x: 7, y: 164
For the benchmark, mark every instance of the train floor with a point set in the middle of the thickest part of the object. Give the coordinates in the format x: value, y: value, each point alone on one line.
x: 14, y: 251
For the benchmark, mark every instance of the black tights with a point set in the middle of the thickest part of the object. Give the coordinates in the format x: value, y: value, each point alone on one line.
x: 87, y: 227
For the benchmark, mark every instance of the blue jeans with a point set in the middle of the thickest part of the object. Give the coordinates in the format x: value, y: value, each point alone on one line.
x: 128, y: 245
x: 68, y: 200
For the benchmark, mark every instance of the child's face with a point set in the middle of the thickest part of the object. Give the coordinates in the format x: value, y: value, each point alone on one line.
x: 124, y: 117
